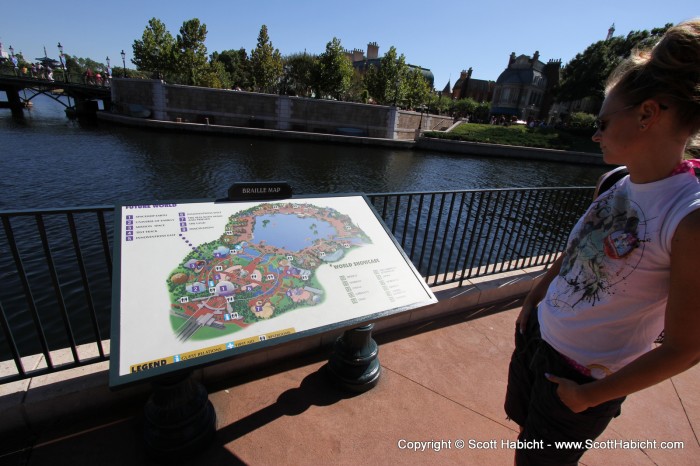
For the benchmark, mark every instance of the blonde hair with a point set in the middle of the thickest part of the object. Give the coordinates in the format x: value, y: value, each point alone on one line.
x: 670, y: 69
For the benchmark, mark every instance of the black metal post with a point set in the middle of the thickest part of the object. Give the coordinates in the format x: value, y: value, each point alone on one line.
x: 354, y: 364
x: 124, y: 63
x: 180, y: 421
x: 12, y: 60
x: 62, y: 58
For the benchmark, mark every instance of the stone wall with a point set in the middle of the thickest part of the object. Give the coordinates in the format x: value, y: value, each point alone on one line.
x: 126, y: 92
x: 187, y: 104
x: 332, y: 117
x: 221, y: 107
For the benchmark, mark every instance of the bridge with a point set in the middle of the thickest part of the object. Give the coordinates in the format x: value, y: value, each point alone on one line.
x: 82, y: 96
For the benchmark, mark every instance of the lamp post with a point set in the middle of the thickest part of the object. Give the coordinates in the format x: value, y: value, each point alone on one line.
x: 63, y: 62
x: 108, y: 72
x: 124, y: 62
x: 13, y: 59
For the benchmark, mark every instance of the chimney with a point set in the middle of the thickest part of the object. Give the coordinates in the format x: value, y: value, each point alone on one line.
x: 357, y: 55
x: 536, y: 56
x: 372, y: 50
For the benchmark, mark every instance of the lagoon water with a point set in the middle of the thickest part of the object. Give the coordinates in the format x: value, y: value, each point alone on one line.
x: 290, y: 232
x: 48, y: 161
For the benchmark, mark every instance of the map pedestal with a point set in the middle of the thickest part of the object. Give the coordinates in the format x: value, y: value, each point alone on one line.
x: 179, y: 418
x: 354, y: 364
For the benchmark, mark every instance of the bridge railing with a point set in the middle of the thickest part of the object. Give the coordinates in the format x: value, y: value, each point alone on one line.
x: 58, y: 76
x: 56, y: 265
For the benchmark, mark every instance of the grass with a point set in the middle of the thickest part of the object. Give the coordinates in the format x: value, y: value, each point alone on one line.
x: 520, y: 135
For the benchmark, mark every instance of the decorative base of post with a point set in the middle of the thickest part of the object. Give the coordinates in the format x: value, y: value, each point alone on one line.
x: 354, y: 364
x: 179, y: 418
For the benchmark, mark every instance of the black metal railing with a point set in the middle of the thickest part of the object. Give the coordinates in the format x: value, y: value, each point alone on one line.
x: 452, y: 236
x: 58, y: 75
x: 56, y: 265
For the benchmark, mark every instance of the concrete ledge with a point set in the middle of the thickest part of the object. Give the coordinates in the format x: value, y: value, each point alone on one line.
x: 37, y: 405
x: 517, y: 152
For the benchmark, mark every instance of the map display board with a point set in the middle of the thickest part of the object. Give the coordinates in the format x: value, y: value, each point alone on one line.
x: 198, y: 282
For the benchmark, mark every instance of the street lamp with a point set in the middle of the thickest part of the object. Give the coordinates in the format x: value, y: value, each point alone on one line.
x: 124, y: 62
x: 13, y: 59
x: 108, y: 72
x: 63, y: 62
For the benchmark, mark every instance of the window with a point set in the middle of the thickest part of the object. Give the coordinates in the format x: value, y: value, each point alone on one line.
x: 505, y: 95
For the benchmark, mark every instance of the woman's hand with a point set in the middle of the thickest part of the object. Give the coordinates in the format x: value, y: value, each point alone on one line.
x: 538, y: 293
x: 525, y: 311
x: 570, y: 393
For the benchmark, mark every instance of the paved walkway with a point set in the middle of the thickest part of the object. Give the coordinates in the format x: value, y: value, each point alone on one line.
x: 442, y: 382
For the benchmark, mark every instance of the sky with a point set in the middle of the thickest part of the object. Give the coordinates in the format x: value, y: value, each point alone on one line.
x: 445, y: 37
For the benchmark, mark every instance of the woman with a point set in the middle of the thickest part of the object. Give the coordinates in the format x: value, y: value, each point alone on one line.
x: 584, y: 335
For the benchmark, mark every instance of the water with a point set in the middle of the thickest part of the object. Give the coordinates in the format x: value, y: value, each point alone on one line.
x: 50, y: 161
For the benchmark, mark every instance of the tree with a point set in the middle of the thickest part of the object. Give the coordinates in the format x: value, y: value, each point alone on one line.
x: 84, y: 64
x: 417, y: 89
x: 464, y: 107
x: 438, y: 103
x: 215, y: 75
x: 481, y: 113
x: 299, y: 72
x: 191, y: 53
x: 154, y: 52
x: 585, y: 75
x: 334, y: 71
x: 357, y: 92
x: 266, y: 64
x: 237, y: 66
x: 386, y: 83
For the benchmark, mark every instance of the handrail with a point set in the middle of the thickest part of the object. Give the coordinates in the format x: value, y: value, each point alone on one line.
x: 59, y: 77
x: 56, y: 264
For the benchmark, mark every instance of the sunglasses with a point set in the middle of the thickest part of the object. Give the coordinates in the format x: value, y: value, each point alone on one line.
x: 600, y: 123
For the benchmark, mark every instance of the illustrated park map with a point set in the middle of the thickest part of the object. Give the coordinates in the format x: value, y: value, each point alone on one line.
x: 204, y: 279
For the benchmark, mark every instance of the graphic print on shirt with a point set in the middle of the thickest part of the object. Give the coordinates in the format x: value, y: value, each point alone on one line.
x: 606, y: 250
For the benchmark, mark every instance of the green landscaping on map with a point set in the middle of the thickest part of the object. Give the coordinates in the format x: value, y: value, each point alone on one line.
x: 260, y: 267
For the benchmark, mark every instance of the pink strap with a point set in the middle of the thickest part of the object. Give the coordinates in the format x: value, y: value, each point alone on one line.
x: 686, y: 166
x: 579, y: 367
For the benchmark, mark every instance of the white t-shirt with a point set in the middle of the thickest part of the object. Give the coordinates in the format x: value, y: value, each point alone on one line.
x: 607, y: 305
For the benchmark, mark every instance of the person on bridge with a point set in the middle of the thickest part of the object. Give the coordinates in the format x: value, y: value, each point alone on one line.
x: 585, y: 334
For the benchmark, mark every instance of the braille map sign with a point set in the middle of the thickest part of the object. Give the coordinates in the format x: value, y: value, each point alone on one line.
x: 196, y: 282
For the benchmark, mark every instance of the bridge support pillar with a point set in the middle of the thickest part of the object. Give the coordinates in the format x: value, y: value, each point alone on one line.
x: 86, y: 109
x: 15, y: 103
